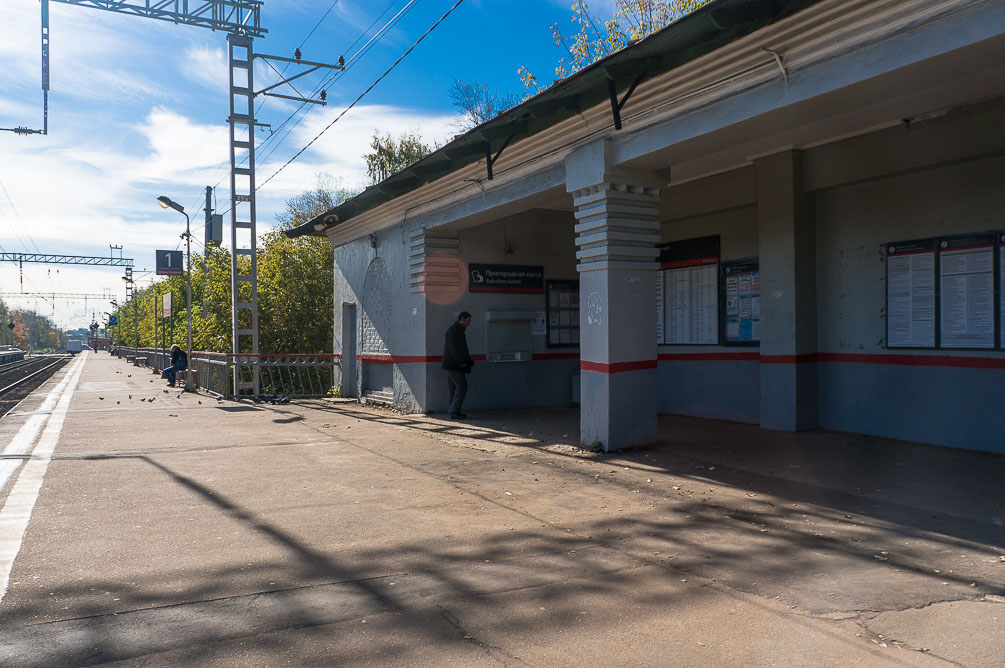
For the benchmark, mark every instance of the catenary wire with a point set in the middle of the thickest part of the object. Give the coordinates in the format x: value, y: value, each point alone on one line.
x: 361, y: 95
x: 325, y: 83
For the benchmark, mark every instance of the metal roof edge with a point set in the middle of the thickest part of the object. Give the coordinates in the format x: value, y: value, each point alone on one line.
x: 707, y: 29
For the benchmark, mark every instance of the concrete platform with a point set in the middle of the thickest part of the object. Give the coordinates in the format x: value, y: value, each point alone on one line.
x: 140, y: 527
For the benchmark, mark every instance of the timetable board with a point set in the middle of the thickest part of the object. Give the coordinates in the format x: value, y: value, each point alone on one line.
x: 1001, y: 288
x: 562, y: 314
x: 966, y: 292
x: 910, y: 294
x: 688, y: 293
x: 742, y: 303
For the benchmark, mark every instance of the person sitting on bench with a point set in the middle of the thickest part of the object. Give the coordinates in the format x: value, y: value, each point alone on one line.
x: 179, y: 362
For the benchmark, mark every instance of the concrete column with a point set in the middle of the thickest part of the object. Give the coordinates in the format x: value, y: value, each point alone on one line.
x: 787, y: 239
x: 617, y: 229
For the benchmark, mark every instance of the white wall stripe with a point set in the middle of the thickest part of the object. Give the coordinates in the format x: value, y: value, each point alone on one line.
x: 16, y: 512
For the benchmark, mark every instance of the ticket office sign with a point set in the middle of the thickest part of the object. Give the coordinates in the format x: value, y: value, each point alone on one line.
x: 910, y: 294
x: 742, y: 285
x: 966, y: 292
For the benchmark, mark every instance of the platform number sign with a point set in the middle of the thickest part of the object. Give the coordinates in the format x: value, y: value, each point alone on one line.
x: 170, y: 263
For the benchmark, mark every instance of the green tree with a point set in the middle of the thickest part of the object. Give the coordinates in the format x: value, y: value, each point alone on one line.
x: 478, y: 103
x: 390, y: 155
x: 295, y: 289
x: 296, y: 283
x: 594, y: 38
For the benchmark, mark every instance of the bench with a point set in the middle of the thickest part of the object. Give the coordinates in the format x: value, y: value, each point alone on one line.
x: 181, y: 379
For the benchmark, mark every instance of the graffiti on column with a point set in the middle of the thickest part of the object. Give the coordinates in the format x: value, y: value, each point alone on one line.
x: 594, y: 309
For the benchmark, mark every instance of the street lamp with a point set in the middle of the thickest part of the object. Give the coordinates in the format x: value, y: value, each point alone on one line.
x: 168, y: 203
x: 136, y: 310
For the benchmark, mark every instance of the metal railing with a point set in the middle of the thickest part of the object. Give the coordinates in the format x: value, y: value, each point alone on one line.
x: 298, y: 376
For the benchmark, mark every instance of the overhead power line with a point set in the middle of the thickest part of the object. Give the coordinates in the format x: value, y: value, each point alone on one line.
x: 361, y: 95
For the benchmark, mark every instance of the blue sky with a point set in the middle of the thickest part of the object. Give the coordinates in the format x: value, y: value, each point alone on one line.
x: 137, y: 109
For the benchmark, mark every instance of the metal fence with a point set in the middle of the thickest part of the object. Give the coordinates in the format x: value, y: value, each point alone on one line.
x: 294, y: 376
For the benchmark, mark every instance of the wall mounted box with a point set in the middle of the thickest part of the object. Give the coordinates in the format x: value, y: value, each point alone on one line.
x: 508, y: 336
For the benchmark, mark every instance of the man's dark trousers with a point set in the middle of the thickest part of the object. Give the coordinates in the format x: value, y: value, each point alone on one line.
x: 458, y: 383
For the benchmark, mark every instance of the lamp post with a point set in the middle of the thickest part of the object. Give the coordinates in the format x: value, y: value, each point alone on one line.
x: 130, y: 283
x: 167, y: 203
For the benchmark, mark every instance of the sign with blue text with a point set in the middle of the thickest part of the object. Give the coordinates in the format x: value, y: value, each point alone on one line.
x: 170, y: 263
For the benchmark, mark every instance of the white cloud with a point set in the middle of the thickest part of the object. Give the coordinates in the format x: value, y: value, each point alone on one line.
x: 341, y: 148
x: 206, y: 66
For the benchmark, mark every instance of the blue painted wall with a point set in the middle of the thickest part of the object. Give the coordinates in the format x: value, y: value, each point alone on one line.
x: 720, y: 390
x: 937, y: 405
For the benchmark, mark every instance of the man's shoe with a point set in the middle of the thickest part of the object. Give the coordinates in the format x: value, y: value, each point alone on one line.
x: 458, y: 416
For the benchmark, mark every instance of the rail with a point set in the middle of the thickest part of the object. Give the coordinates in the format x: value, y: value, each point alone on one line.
x: 298, y: 376
x: 35, y: 362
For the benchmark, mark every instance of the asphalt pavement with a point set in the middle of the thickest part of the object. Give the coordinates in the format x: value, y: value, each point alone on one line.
x: 144, y: 527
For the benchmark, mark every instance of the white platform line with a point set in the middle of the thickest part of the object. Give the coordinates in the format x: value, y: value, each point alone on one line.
x: 16, y: 512
x: 24, y: 439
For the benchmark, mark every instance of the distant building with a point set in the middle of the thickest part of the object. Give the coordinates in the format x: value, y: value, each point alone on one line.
x: 798, y: 224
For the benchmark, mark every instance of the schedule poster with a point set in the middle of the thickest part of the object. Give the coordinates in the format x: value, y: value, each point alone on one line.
x: 966, y: 290
x: 1001, y: 286
x: 742, y: 280
x: 690, y: 286
x: 910, y: 294
x: 562, y: 314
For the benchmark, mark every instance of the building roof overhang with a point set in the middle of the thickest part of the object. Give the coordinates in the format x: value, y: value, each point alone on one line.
x: 705, y: 30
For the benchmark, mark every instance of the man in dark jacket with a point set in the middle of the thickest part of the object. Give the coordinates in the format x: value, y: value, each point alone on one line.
x: 458, y: 363
x: 179, y: 362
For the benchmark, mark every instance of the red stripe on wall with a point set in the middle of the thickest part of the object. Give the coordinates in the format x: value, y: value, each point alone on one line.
x: 680, y: 264
x: 617, y: 367
x: 958, y: 362
x: 952, y: 361
x: 432, y: 359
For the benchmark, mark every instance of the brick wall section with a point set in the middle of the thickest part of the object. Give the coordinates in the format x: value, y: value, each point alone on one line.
x: 376, y: 333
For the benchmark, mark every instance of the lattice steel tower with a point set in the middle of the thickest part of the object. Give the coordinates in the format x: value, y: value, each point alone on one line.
x: 241, y: 20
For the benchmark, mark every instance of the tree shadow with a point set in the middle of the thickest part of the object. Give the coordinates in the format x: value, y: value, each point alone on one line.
x: 414, y: 587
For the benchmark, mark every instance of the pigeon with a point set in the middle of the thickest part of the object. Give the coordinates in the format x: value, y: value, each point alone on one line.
x: 118, y: 402
x: 165, y: 391
x: 130, y: 396
x: 102, y: 398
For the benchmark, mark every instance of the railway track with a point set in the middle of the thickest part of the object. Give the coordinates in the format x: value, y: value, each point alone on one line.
x: 19, y: 379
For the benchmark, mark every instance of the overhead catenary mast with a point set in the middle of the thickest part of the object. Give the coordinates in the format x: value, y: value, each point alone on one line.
x: 241, y: 20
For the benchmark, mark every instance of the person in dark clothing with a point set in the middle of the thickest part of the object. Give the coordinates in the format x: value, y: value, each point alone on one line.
x: 457, y: 362
x: 179, y: 362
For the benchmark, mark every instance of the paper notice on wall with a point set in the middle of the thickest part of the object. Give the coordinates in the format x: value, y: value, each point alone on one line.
x: 691, y: 306
x: 743, y: 301
x: 1001, y: 286
x: 660, y: 278
x: 538, y: 326
x: 910, y: 294
x: 966, y: 287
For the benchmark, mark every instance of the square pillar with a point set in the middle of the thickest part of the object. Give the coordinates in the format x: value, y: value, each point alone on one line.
x: 787, y: 239
x: 617, y: 231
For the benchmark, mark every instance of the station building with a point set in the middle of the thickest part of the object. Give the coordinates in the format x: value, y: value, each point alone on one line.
x: 786, y: 213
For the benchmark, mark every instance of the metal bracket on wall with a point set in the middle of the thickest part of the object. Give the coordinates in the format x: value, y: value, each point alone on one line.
x: 616, y: 105
x: 491, y: 159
